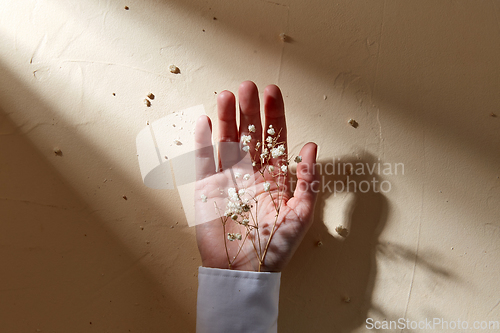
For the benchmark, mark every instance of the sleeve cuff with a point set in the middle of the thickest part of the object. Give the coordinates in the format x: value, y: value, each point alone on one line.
x: 237, y: 301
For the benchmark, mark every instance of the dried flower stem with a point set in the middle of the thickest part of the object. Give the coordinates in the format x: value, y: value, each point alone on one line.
x: 270, y: 156
x: 225, y: 244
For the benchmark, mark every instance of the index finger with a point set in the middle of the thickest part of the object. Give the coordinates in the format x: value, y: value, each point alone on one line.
x: 204, y: 156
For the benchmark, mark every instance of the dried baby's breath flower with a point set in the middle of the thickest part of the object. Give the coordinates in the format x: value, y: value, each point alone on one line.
x: 245, y: 139
x: 278, y: 151
x: 241, y: 200
x: 232, y: 193
x: 265, y: 153
x: 233, y: 237
x: 298, y: 159
x: 271, y: 130
x: 204, y: 198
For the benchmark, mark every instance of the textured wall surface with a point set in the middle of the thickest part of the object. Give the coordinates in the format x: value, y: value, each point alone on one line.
x: 421, y: 78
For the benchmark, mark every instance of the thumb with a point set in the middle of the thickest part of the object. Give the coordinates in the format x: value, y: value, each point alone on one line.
x: 304, y: 197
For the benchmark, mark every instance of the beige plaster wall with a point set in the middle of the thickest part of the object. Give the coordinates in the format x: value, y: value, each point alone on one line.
x: 422, y: 79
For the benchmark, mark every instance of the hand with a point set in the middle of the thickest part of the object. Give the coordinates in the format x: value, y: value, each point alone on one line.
x: 278, y: 220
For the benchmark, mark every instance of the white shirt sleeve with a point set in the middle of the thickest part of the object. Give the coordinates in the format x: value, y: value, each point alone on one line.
x: 237, y: 301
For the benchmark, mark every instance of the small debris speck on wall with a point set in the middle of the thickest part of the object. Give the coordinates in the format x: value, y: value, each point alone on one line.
x: 174, y: 69
x: 58, y: 152
x: 342, y: 231
x: 353, y: 123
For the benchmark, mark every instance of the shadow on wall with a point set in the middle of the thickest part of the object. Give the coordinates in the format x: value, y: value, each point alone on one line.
x: 63, y: 269
x: 328, y: 285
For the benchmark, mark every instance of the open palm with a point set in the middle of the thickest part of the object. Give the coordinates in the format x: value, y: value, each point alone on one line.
x: 248, y: 218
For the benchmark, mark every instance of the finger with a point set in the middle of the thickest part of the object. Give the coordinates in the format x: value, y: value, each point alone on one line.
x: 249, y: 105
x: 226, y: 106
x: 204, y: 157
x: 304, y: 197
x: 274, y: 110
x: 228, y: 146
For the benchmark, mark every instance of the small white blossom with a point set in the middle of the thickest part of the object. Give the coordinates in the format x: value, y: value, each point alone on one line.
x: 271, y: 130
x: 265, y: 153
x: 257, y: 145
x: 241, y: 192
x: 251, y: 128
x: 271, y: 168
x: 232, y: 237
x: 245, y: 139
x: 233, y: 207
x: 245, y: 222
x: 269, y: 139
x: 245, y: 149
x: 267, y: 186
x: 254, y: 163
x: 237, y: 175
x: 298, y: 159
x: 232, y: 193
x: 246, y: 176
x: 278, y: 151
x: 284, y: 168
x: 204, y: 198
x: 234, y: 217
